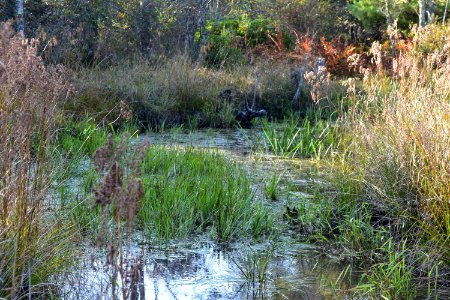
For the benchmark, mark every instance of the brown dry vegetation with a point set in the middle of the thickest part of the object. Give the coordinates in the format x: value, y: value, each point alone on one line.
x: 176, y: 91
x: 31, y: 239
x: 399, y: 129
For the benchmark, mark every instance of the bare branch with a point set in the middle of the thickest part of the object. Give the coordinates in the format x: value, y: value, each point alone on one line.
x: 255, y: 89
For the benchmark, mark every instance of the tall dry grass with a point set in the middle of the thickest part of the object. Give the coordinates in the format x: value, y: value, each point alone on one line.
x: 176, y: 90
x: 401, y: 130
x: 32, y: 244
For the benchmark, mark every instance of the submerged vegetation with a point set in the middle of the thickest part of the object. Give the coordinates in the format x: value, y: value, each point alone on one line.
x: 75, y: 173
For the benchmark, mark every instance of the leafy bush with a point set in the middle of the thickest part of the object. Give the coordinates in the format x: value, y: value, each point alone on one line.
x: 224, y: 51
x: 231, y: 36
x: 371, y: 13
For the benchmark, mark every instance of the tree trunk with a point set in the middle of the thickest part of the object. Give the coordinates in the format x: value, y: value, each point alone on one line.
x: 20, y: 25
x: 199, y: 52
x: 430, y: 11
x: 145, y: 28
x: 426, y: 12
x: 445, y: 13
x: 422, y: 13
x: 389, y: 18
x: 190, y: 29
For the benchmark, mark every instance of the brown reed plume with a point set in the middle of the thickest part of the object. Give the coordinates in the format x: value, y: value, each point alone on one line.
x: 119, y: 192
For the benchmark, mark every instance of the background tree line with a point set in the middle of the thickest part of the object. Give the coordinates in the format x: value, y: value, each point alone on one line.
x: 85, y: 31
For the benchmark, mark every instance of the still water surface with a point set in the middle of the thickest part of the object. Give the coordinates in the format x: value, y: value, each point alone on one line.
x: 201, y: 269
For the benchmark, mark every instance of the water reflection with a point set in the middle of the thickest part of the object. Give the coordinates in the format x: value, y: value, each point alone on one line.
x: 208, y: 271
x: 200, y: 269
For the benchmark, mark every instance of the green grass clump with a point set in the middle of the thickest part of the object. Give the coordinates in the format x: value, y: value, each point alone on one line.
x: 312, y: 218
x: 310, y: 137
x: 272, y: 187
x: 193, y: 191
x: 77, y: 204
x: 82, y: 137
x: 391, y: 278
x: 253, y: 266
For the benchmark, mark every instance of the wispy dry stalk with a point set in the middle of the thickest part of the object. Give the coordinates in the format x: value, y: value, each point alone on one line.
x: 120, y: 192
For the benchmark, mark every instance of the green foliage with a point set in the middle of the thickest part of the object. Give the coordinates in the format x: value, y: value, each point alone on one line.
x: 368, y: 12
x: 272, y: 186
x: 255, y: 31
x: 82, y: 137
x: 78, y: 209
x: 372, y: 13
x: 308, y: 137
x: 429, y: 39
x: 313, y: 218
x: 193, y: 191
x: 230, y: 36
x: 393, y: 278
x: 223, y: 52
x: 357, y: 231
x: 252, y: 31
x: 254, y: 266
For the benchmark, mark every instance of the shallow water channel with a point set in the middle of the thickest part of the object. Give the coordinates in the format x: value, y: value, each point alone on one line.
x: 201, y: 269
